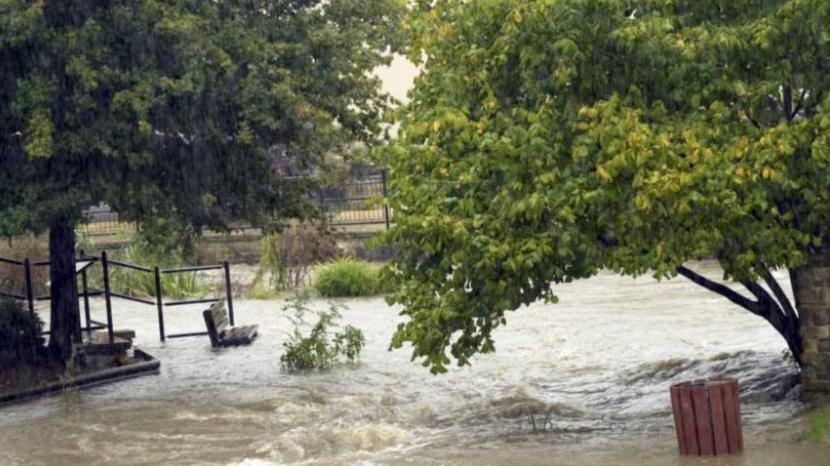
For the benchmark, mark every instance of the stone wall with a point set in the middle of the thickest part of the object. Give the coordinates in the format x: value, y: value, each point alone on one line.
x: 812, y: 292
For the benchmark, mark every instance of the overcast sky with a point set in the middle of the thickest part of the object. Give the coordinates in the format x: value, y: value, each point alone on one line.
x: 398, y: 77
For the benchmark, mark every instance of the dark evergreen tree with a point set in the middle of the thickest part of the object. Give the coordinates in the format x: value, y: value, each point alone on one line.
x: 175, y: 110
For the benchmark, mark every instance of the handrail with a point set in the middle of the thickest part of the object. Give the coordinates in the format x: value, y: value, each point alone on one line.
x: 130, y: 266
x: 107, y: 293
x: 12, y: 295
x: 198, y: 268
x: 191, y: 301
x: 131, y: 298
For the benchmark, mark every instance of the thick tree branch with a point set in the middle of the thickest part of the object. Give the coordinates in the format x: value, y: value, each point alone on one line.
x: 769, y: 309
x: 723, y: 290
x: 766, y: 307
x: 782, y: 298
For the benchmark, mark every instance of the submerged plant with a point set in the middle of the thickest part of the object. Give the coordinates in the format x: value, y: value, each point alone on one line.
x: 326, y: 345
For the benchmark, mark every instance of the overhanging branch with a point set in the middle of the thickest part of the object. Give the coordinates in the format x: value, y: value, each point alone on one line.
x: 721, y: 289
x: 782, y: 298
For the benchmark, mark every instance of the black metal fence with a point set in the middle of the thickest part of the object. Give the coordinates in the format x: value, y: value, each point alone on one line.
x: 358, y: 201
x: 84, y: 264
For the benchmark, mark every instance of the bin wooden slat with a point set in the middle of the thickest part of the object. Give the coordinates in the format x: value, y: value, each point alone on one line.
x: 733, y: 420
x: 703, y: 421
x: 678, y: 416
x: 718, y: 420
x: 689, y: 430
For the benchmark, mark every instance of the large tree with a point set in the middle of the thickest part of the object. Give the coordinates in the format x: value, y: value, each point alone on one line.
x: 178, y: 110
x: 546, y: 140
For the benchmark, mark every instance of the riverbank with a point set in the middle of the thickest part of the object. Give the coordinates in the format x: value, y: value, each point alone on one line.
x: 598, y: 365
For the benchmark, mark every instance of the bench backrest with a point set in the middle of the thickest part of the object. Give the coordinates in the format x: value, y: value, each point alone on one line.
x: 216, y: 321
x: 220, y: 315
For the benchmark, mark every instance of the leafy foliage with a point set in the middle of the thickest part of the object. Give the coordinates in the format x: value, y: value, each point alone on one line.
x: 180, y: 109
x: 20, y: 340
x: 324, y: 347
x: 190, y: 111
x: 547, y: 140
x: 348, y: 278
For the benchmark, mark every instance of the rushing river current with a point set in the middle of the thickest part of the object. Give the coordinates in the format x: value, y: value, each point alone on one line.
x: 592, y: 373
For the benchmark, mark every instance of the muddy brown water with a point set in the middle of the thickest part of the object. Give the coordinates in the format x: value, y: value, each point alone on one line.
x: 592, y: 372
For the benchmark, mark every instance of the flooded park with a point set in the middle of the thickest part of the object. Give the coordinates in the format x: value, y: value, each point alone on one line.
x: 580, y: 382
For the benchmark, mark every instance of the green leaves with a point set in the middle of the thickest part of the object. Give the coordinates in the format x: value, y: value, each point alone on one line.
x: 593, y: 138
x: 184, y: 110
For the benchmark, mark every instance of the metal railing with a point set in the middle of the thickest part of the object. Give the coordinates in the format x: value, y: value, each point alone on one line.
x: 106, y: 266
x: 359, y: 201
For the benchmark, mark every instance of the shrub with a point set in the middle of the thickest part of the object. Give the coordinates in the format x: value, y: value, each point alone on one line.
x: 20, y: 340
x: 348, y: 278
x: 326, y: 345
x: 287, y: 257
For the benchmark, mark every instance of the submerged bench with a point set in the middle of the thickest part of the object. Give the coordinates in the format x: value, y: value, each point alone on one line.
x: 221, y: 334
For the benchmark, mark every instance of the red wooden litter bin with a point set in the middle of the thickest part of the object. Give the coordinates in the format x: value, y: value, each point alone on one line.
x: 707, y: 417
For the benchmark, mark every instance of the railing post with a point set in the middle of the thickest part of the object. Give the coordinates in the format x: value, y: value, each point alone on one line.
x: 107, y: 300
x: 30, y: 294
x: 85, y: 284
x: 229, y: 292
x: 159, y: 301
x: 385, y: 199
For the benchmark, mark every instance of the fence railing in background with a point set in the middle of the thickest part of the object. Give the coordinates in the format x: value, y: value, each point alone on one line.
x: 84, y: 263
x: 359, y: 201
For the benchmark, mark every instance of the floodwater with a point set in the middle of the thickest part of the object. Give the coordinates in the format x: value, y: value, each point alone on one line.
x: 592, y: 372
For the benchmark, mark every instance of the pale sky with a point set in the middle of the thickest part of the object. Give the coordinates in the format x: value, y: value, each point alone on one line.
x: 398, y: 77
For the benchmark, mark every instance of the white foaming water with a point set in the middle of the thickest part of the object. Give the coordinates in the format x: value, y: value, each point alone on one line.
x: 592, y: 373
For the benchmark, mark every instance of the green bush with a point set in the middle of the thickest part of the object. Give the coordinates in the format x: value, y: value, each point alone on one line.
x: 20, y: 340
x: 326, y: 345
x: 348, y: 278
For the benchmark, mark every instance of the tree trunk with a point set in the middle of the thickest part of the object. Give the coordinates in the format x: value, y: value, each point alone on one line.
x: 65, y: 325
x: 811, y: 287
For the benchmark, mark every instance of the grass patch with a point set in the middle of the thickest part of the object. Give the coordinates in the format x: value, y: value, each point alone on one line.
x: 348, y: 278
x: 819, y: 429
x: 262, y: 292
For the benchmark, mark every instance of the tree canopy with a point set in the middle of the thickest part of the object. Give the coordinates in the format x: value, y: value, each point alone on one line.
x: 546, y: 140
x: 178, y: 110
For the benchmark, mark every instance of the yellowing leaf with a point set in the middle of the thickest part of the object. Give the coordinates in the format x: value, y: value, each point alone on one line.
x: 603, y: 175
x: 517, y: 16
